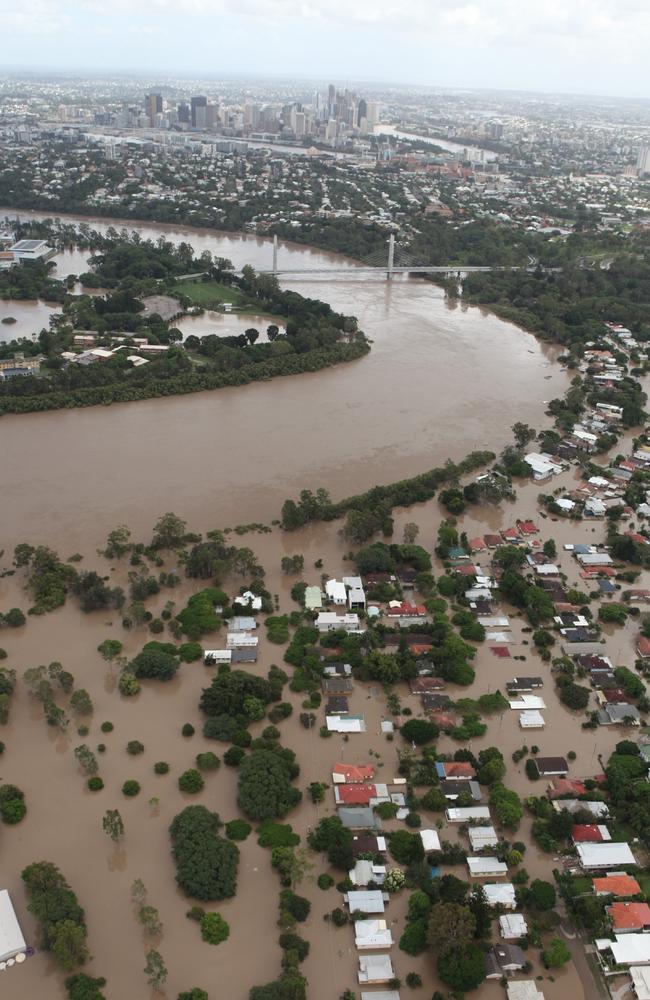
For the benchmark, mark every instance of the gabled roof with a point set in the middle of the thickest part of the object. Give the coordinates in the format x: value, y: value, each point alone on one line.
x: 629, y: 916
x: 355, y: 795
x: 354, y: 773
x: 617, y: 885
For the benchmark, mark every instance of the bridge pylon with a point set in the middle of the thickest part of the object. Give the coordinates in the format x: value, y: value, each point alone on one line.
x: 391, y: 256
x: 275, y: 254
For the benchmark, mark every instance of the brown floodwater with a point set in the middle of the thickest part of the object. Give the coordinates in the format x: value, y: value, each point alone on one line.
x: 438, y: 382
x: 226, y: 324
x: 64, y: 820
x: 31, y: 317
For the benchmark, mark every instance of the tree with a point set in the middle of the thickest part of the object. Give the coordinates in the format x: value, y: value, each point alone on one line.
x: 419, y: 731
x: 251, y: 335
x: 113, y: 825
x: 555, y: 954
x: 83, y: 987
x: 206, y: 864
x: 80, y: 702
x: 155, y: 969
x: 68, y: 944
x: 335, y: 840
x: 194, y: 994
x: 214, y: 929
x: 395, y: 880
x: 191, y: 781
x: 414, y: 939
x: 406, y: 847
x: 118, y: 542
x: 411, y: 532
x: 87, y: 760
x: 451, y: 927
x: 523, y: 434
x: 154, y: 662
x: 169, y: 532
x: 462, y: 968
x: 542, y: 894
x: 265, y: 790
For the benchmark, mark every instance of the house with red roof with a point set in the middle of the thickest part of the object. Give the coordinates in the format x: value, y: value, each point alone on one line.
x: 565, y: 786
x: 402, y: 609
x: 352, y: 774
x: 616, y: 885
x: 589, y: 833
x: 354, y: 795
x: 527, y: 528
x: 493, y: 541
x: 510, y: 535
x: 477, y: 545
x: 455, y: 770
x: 643, y: 647
x: 629, y: 918
x: 443, y: 721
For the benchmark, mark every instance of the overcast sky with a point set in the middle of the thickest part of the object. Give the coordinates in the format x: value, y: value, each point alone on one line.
x: 576, y: 46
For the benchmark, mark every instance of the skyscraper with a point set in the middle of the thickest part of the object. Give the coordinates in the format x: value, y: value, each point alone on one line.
x: 199, y: 104
x: 153, y: 105
x: 643, y: 161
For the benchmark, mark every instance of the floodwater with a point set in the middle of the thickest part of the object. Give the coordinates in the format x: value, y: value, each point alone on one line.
x: 226, y: 324
x: 58, y: 803
x: 441, y: 380
x: 31, y: 317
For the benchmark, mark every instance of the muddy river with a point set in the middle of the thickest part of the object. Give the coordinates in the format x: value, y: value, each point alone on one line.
x: 441, y: 380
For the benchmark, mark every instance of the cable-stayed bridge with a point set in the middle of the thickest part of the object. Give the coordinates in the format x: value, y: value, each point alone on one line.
x: 397, y: 261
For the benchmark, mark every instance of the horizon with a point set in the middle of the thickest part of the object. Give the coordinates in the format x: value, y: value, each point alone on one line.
x: 489, y: 45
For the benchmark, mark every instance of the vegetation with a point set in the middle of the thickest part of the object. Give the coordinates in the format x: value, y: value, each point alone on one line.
x: 53, y: 904
x: 206, y: 864
x: 265, y: 789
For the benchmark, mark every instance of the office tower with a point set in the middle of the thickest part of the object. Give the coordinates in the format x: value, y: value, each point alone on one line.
x: 495, y: 130
x: 252, y: 115
x: 643, y: 161
x: 372, y: 112
x: 199, y: 104
x: 299, y: 123
x: 153, y: 105
x: 331, y: 99
x: 362, y: 110
x: 184, y: 115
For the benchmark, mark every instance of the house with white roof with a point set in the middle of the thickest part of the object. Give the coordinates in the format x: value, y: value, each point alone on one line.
x: 329, y: 621
x: 512, y: 926
x: 375, y: 969
x: 336, y: 592
x: 372, y: 934
x: 482, y: 837
x: 486, y: 867
x: 500, y: 894
x: 605, y: 854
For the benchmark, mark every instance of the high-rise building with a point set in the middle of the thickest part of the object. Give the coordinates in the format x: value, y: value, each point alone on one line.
x: 153, y: 105
x: 372, y: 112
x: 199, y: 104
x: 362, y: 110
x: 643, y: 161
x: 184, y: 115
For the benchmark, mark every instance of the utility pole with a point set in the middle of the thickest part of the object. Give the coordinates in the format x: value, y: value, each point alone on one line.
x: 275, y: 254
x: 391, y: 255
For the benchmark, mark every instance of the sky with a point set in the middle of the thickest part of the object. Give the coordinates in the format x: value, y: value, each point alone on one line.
x: 567, y: 46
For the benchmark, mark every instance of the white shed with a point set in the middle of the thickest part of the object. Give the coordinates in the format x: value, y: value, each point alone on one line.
x: 12, y: 942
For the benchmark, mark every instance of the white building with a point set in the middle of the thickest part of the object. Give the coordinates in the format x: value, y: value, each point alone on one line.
x: 372, y: 934
x: 336, y: 592
x: 531, y: 720
x: 329, y: 621
x: 500, y: 895
x: 482, y: 837
x: 468, y: 814
x: 30, y: 249
x: 486, y: 867
x: 605, y: 855
x: 12, y: 942
x: 513, y: 926
x: 375, y: 969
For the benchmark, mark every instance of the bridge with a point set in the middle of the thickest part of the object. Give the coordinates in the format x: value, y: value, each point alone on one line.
x: 404, y: 264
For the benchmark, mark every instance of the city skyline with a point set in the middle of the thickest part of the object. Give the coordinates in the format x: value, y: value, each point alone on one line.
x: 595, y: 49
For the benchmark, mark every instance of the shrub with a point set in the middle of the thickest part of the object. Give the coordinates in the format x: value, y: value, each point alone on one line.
x: 83, y: 987
x: 161, y: 767
x: 293, y: 942
x: 214, y: 929
x: 413, y: 980
x: 189, y: 652
x: 107, y: 727
x: 191, y: 781
x: 206, y: 864
x: 414, y: 939
x: 462, y: 968
x: 130, y: 788
x: 128, y: 685
x: 297, y: 906
x: 134, y: 747
x: 188, y: 730
x: 272, y: 835
x: 95, y: 784
x: 234, y: 756
x: 12, y: 811
x: 325, y: 881
x: 156, y: 661
x: 542, y: 894
x: 238, y: 829
x: 207, y: 761
x: 419, y: 731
